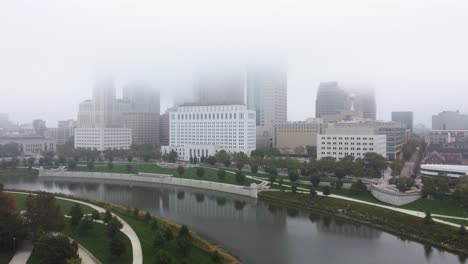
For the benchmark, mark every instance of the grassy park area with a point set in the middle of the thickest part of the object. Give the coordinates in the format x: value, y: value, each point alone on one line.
x: 65, y: 206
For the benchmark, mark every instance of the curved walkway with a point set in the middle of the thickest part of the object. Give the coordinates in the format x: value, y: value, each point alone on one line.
x: 127, y: 230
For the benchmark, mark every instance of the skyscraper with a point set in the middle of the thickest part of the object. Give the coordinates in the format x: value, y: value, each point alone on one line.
x: 143, y: 113
x: 331, y: 99
x: 364, y: 100
x: 39, y: 126
x: 221, y: 86
x: 104, y: 103
x: 334, y: 99
x: 405, y: 118
x: 267, y: 94
x: 142, y: 97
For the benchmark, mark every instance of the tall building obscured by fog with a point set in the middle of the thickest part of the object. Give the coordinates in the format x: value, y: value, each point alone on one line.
x: 165, y: 127
x: 404, y: 117
x: 104, y: 103
x: 4, y: 122
x: 143, y: 113
x: 334, y: 99
x: 222, y: 87
x: 267, y: 94
x: 363, y: 98
x: 40, y: 127
x: 331, y: 99
x: 86, y: 114
x: 142, y: 97
x: 100, y: 121
x: 450, y: 120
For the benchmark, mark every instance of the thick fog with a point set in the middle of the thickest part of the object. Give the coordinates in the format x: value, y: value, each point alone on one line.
x: 415, y: 52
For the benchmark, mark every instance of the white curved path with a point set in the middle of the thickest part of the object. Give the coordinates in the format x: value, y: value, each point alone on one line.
x: 127, y: 230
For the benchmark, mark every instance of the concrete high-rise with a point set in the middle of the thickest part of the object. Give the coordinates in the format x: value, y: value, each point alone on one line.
x: 104, y: 103
x: 40, y: 127
x: 267, y: 94
x: 100, y: 121
x: 450, y: 120
x: 331, y: 100
x: 404, y: 117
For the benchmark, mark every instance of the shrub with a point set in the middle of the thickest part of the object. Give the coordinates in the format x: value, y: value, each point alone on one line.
x: 117, y: 246
x: 326, y: 191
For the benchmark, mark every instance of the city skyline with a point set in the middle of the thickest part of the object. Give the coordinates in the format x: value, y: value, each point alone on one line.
x: 415, y: 57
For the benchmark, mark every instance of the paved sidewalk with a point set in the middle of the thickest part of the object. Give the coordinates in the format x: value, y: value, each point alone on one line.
x: 23, y: 253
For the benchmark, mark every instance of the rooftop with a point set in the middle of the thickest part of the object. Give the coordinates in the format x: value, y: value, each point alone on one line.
x: 447, y: 168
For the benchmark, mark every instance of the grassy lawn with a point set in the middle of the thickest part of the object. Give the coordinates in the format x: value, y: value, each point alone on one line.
x: 5, y: 257
x: 64, y: 205
x: 444, y: 206
x: 190, y: 173
x: 146, y: 236
x: 97, y: 242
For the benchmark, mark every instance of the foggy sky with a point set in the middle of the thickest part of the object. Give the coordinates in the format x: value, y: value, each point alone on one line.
x: 415, y: 52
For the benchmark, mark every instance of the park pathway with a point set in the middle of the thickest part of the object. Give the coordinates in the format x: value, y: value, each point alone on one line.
x: 127, y: 230
x: 23, y: 253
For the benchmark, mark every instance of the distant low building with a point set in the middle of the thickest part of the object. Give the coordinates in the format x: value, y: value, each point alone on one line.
x: 290, y: 137
x: 435, y: 157
x: 103, y: 138
x: 30, y: 145
x: 450, y: 120
x: 354, y: 143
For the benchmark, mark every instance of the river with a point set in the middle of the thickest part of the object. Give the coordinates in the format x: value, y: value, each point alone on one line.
x: 253, y: 230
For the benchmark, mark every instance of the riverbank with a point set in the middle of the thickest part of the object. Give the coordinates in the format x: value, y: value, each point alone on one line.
x: 202, y: 250
x: 250, y: 191
x: 411, y: 227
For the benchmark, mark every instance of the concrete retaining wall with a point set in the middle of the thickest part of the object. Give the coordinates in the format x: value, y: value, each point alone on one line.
x: 394, y: 198
x: 250, y: 191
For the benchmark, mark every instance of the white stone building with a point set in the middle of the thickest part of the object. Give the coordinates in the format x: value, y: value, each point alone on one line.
x: 30, y: 145
x: 103, y: 138
x: 202, y: 130
x: 356, y: 143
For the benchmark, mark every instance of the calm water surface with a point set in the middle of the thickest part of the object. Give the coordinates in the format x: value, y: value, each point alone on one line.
x: 255, y: 231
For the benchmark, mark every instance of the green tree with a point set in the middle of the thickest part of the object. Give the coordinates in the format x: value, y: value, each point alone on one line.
x: 293, y: 175
x: 315, y: 180
x: 180, y: 170
x: 376, y: 162
x: 272, y: 179
x: 147, y: 218
x: 293, y: 188
x: 113, y: 226
x: 95, y: 215
x: 163, y: 257
x: 200, y: 172
x: 221, y: 175
x: 240, y: 177
x: 311, y: 152
x: 184, y: 232
x: 107, y: 217
x: 130, y: 158
x: 184, y: 246
x: 117, y: 246
x: 211, y: 160
x: 43, y: 213
x: 254, y: 168
x: 76, y: 214
x: 428, y: 218
x: 158, y: 240
x: 326, y: 190
x: 55, y: 248
x: 441, y: 183
x: 358, y: 188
